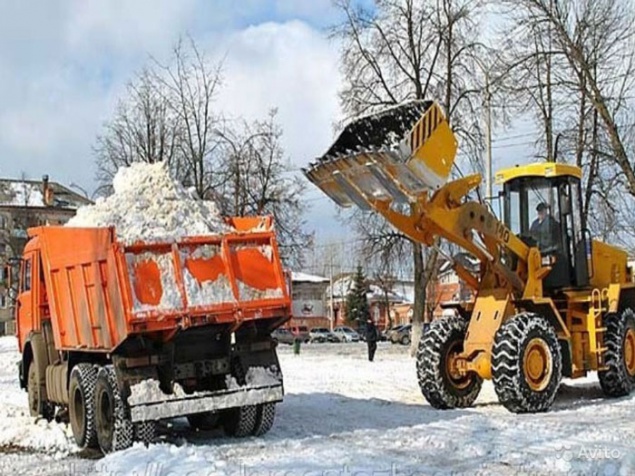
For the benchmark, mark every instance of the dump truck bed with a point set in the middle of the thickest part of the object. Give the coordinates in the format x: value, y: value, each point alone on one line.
x: 101, y: 291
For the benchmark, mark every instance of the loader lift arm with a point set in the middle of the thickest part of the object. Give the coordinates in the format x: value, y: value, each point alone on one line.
x: 535, y: 316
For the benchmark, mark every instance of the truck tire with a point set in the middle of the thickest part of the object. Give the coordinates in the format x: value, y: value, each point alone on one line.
x: 38, y: 407
x: 266, y: 414
x: 114, y: 429
x: 240, y: 422
x: 442, y: 387
x: 145, y: 431
x: 81, y: 405
x: 204, y: 421
x: 526, y: 364
x: 618, y: 380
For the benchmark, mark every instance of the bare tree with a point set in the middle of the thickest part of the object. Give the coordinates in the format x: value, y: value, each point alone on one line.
x: 144, y: 129
x: 190, y: 83
x: 407, y: 49
x: 257, y: 181
x: 169, y: 114
x: 592, y: 49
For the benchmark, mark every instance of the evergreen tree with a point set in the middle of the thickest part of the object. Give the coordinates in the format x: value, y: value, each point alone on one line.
x: 357, y: 308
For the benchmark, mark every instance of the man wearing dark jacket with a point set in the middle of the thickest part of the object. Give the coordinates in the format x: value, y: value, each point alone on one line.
x: 372, y: 336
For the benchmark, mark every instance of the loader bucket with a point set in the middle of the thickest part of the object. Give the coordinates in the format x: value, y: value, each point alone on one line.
x: 394, y: 155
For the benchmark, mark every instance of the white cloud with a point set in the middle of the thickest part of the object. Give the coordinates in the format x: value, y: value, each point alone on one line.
x: 64, y: 64
x: 289, y: 66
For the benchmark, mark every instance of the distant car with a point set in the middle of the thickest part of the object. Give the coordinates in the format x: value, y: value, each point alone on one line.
x: 385, y: 335
x: 322, y: 334
x: 346, y: 334
x: 300, y: 332
x: 283, y: 336
x: 389, y: 332
x: 401, y: 335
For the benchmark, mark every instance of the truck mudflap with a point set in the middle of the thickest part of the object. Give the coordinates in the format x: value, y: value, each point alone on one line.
x: 149, y: 403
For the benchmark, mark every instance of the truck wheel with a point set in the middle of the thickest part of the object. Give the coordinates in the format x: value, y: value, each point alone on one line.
x: 526, y: 364
x: 145, y: 431
x: 618, y: 379
x: 266, y: 414
x: 441, y: 384
x: 203, y: 421
x: 114, y: 429
x: 240, y: 422
x: 81, y: 406
x: 38, y: 407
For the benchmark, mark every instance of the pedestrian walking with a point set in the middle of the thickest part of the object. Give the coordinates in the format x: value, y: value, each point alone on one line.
x: 297, y: 340
x: 372, y: 336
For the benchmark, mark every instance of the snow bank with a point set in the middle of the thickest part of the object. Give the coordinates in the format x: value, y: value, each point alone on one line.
x: 148, y: 205
x: 18, y: 430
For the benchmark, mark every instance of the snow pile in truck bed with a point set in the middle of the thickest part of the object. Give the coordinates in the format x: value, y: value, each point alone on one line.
x: 148, y: 205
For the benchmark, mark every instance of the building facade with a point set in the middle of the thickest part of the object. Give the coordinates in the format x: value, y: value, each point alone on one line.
x: 310, y: 307
x: 25, y: 204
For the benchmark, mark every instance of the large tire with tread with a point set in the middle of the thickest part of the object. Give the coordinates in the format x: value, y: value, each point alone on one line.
x: 618, y: 379
x: 115, y: 431
x: 526, y: 364
x: 440, y: 384
x: 266, y: 414
x: 240, y: 422
x: 146, y: 431
x: 38, y: 407
x: 204, y: 421
x: 81, y: 406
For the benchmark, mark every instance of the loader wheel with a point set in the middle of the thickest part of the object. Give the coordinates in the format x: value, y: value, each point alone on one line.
x: 114, y: 429
x: 526, y: 364
x: 38, y: 407
x: 81, y: 406
x: 203, y: 421
x: 618, y: 379
x: 441, y: 384
x: 240, y: 422
x: 266, y: 414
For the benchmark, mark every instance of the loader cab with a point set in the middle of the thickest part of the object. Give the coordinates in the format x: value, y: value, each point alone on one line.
x: 543, y: 206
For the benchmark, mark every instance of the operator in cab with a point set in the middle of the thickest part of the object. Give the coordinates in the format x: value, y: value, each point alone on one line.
x: 545, y: 229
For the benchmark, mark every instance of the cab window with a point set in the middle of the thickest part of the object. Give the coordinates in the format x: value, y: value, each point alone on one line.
x: 26, y: 277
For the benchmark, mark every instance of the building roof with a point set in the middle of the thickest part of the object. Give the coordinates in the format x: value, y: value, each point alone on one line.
x: 28, y: 194
x: 343, y: 285
x: 298, y: 277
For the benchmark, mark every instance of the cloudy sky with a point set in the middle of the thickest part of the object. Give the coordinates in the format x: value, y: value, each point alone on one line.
x: 64, y: 64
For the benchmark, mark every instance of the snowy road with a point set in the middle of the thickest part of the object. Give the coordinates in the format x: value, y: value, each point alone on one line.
x: 350, y: 417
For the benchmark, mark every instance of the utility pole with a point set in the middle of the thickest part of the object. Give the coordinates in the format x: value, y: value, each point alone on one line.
x: 488, y: 125
x: 488, y: 128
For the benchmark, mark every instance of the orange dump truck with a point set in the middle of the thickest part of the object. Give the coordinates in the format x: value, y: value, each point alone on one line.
x: 118, y: 337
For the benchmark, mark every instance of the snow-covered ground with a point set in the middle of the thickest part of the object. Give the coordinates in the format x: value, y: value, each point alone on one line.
x: 343, y: 415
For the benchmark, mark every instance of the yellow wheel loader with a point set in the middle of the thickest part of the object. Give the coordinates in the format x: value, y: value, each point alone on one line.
x: 550, y: 302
